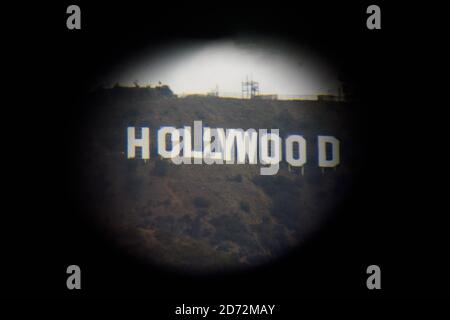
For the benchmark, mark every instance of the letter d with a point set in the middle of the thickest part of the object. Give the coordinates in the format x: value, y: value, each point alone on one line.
x: 335, y: 156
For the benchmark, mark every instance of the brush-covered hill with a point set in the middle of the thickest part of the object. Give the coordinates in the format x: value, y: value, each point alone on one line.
x: 211, y: 217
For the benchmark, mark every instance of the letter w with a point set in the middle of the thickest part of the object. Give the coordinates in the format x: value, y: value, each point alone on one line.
x: 246, y: 145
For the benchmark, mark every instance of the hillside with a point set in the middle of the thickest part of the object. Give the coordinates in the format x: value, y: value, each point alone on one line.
x: 209, y: 218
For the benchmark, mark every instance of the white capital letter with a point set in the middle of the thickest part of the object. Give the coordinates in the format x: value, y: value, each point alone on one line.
x: 335, y: 157
x: 301, y: 160
x: 144, y: 142
x: 175, y: 139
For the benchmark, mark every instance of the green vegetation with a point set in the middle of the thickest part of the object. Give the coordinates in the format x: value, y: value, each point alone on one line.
x: 286, y: 196
x: 232, y: 228
x: 244, y: 206
x: 161, y: 168
x: 237, y: 178
x: 201, y: 202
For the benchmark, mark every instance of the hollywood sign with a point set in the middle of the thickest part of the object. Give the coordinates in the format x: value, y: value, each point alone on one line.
x: 231, y: 146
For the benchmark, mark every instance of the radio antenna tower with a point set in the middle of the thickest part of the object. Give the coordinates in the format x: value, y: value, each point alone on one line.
x: 250, y: 89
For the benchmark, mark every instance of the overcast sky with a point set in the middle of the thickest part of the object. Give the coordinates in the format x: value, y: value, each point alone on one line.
x: 200, y: 67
